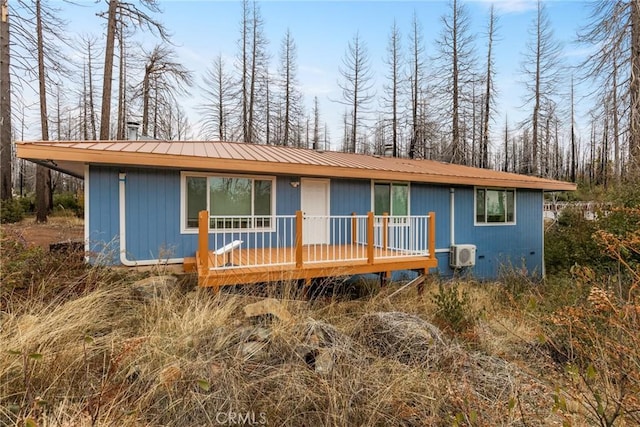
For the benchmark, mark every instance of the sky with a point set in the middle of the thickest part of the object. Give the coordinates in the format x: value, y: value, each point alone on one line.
x: 202, y: 29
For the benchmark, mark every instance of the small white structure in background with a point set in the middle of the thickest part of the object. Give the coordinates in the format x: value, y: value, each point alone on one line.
x: 589, y: 210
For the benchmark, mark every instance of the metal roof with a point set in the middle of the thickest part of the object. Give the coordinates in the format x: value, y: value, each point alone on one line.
x: 71, y: 156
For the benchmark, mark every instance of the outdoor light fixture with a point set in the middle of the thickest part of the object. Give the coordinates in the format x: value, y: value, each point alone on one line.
x: 295, y: 182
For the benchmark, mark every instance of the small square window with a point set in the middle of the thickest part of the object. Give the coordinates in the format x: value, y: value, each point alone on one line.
x: 495, y: 206
x: 391, y: 198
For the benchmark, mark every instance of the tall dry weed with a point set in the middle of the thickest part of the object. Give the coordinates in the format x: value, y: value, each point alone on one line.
x: 598, y: 338
x: 101, y: 356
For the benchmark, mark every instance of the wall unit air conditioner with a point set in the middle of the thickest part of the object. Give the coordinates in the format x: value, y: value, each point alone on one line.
x: 462, y: 256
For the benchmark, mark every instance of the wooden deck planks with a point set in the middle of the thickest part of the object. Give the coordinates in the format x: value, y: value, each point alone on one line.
x: 318, y: 261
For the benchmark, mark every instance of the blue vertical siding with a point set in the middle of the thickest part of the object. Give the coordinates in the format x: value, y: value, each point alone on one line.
x: 518, y: 245
x: 103, y: 215
x: 347, y: 196
x: 153, y: 214
x: 287, y: 197
x: 153, y: 219
x: 152, y: 199
x: 350, y: 195
x: 433, y: 198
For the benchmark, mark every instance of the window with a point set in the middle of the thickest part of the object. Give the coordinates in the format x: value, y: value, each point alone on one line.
x: 196, y: 198
x: 495, y: 206
x: 234, y: 202
x: 392, y: 198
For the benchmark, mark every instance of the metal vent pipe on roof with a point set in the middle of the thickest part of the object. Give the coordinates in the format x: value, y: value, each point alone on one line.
x: 132, y: 131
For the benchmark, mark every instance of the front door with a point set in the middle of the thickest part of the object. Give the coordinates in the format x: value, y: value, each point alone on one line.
x: 315, y: 208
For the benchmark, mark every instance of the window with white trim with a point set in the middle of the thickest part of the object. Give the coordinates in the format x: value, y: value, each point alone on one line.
x: 495, y: 206
x: 233, y: 202
x: 391, y: 198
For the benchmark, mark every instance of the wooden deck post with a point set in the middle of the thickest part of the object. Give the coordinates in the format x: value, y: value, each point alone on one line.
x: 385, y: 230
x: 370, y: 238
x: 298, y: 239
x: 432, y: 235
x: 354, y: 228
x: 203, y: 239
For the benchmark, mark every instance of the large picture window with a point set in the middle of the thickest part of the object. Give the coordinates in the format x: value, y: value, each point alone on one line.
x: 495, y: 206
x: 392, y: 198
x: 233, y: 202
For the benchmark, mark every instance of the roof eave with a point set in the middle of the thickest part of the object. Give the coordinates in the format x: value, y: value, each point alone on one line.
x: 78, y: 156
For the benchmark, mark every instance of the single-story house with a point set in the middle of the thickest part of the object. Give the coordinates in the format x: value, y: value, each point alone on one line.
x: 264, y: 212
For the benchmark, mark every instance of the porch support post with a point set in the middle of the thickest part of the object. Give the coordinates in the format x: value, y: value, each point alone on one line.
x: 370, y: 238
x: 354, y: 228
x: 203, y: 239
x: 298, y: 239
x: 432, y: 235
x: 385, y: 230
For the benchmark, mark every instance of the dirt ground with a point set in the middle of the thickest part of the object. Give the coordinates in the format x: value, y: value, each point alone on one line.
x: 56, y: 229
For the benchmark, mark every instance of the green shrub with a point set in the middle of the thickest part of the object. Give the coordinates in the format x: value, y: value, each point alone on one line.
x: 68, y: 201
x: 453, y: 308
x: 29, y: 271
x: 11, y: 211
x: 560, y: 291
x: 517, y: 282
x: 626, y: 195
x: 570, y: 241
x: 28, y: 204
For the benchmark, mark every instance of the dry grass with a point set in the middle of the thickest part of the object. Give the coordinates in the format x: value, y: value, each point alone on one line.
x: 101, y: 356
x: 105, y: 358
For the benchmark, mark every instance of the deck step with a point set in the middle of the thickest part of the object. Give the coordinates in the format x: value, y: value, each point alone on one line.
x: 189, y: 265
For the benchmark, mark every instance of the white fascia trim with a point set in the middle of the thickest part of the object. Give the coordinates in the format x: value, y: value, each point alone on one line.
x: 122, y: 178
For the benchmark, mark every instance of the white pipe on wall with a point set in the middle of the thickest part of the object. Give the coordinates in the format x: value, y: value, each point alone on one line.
x: 122, y: 178
x: 452, y: 216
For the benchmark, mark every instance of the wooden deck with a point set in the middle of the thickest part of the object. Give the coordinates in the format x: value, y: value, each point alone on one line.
x: 268, y: 265
x: 246, y: 265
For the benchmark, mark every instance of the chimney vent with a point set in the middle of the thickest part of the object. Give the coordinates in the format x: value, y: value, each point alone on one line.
x: 132, y: 131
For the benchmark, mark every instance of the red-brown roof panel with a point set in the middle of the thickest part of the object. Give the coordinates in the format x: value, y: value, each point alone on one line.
x: 189, y: 150
x: 163, y: 147
x: 136, y: 146
x: 223, y: 153
x: 103, y: 146
x: 252, y: 158
x: 146, y: 147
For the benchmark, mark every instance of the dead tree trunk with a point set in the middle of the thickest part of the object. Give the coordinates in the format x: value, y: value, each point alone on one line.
x: 5, y: 105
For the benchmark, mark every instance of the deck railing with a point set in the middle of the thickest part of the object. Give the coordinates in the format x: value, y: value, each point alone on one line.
x: 402, y: 235
x: 252, y: 241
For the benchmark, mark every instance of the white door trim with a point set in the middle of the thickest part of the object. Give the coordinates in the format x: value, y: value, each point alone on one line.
x: 317, y: 233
